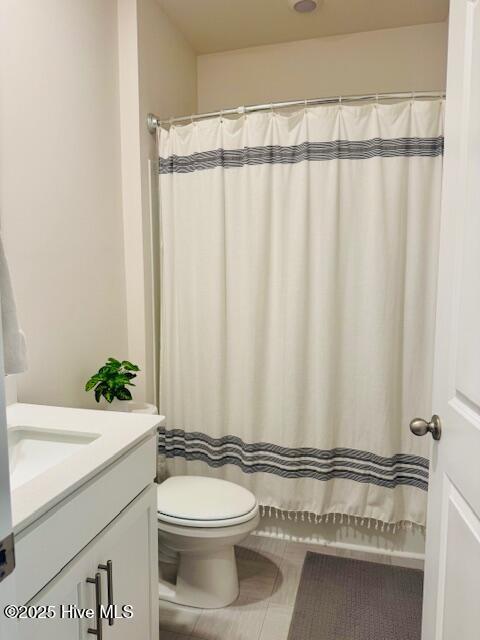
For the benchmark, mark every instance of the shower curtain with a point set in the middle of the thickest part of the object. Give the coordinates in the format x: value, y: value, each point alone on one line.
x: 299, y: 256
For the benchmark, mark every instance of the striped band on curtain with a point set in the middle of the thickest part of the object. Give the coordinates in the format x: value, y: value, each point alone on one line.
x: 311, y: 151
x: 351, y: 464
x: 297, y: 251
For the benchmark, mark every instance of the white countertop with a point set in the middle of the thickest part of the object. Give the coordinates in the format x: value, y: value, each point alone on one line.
x: 117, y: 433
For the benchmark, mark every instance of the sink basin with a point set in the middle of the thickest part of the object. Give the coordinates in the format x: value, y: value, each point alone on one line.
x: 33, y: 451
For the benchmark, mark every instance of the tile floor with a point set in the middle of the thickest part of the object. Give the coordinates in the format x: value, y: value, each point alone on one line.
x: 269, y: 572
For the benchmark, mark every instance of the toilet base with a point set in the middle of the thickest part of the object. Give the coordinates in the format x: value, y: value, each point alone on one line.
x: 204, y: 580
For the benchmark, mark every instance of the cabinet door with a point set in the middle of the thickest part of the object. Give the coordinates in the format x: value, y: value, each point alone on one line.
x: 132, y: 549
x: 68, y: 588
x: 130, y: 543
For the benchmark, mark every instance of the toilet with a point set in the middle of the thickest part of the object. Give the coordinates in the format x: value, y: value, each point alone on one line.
x: 200, y: 520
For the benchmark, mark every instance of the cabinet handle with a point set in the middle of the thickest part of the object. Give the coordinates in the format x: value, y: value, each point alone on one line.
x: 111, y: 607
x: 97, y: 581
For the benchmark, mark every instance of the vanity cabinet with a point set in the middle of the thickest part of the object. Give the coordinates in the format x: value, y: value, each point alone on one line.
x: 106, y: 529
x: 126, y: 547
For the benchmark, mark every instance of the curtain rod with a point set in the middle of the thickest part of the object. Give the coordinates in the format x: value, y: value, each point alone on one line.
x: 153, y: 121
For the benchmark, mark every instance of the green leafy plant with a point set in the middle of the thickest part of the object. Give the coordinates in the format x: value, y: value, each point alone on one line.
x: 112, y: 380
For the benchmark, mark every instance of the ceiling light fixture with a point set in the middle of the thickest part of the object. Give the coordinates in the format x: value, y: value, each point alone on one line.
x: 303, y: 6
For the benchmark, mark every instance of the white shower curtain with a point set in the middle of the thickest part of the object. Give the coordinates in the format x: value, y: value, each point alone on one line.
x: 299, y: 257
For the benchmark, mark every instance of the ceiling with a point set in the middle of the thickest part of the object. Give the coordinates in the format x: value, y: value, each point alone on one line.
x: 221, y: 25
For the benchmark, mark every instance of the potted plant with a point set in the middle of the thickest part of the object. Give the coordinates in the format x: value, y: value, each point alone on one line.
x: 112, y: 382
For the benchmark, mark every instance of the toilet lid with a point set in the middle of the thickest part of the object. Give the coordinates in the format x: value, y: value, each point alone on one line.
x: 196, y: 499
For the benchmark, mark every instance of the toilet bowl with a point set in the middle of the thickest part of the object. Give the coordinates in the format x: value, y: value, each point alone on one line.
x: 200, y: 520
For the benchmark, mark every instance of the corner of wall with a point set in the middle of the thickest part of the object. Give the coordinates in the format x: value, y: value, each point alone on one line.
x: 158, y: 74
x: 132, y: 186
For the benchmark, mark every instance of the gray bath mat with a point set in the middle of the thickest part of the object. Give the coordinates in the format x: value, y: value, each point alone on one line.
x: 343, y: 599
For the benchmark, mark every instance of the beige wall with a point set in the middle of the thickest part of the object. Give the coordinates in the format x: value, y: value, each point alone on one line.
x: 157, y: 74
x: 60, y: 189
x: 77, y: 80
x: 404, y: 59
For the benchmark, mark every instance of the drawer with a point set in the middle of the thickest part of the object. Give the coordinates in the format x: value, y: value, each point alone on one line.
x: 48, y: 545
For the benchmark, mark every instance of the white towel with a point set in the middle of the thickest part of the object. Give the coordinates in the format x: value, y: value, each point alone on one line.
x: 14, y: 347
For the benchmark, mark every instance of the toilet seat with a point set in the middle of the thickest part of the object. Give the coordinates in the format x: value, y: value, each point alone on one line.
x: 197, y: 501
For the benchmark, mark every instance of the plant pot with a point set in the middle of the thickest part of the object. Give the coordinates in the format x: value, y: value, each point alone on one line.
x: 131, y: 406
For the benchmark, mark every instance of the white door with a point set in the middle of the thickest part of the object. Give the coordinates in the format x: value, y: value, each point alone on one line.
x: 452, y: 569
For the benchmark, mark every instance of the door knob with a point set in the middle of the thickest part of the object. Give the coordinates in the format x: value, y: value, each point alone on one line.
x: 420, y: 427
